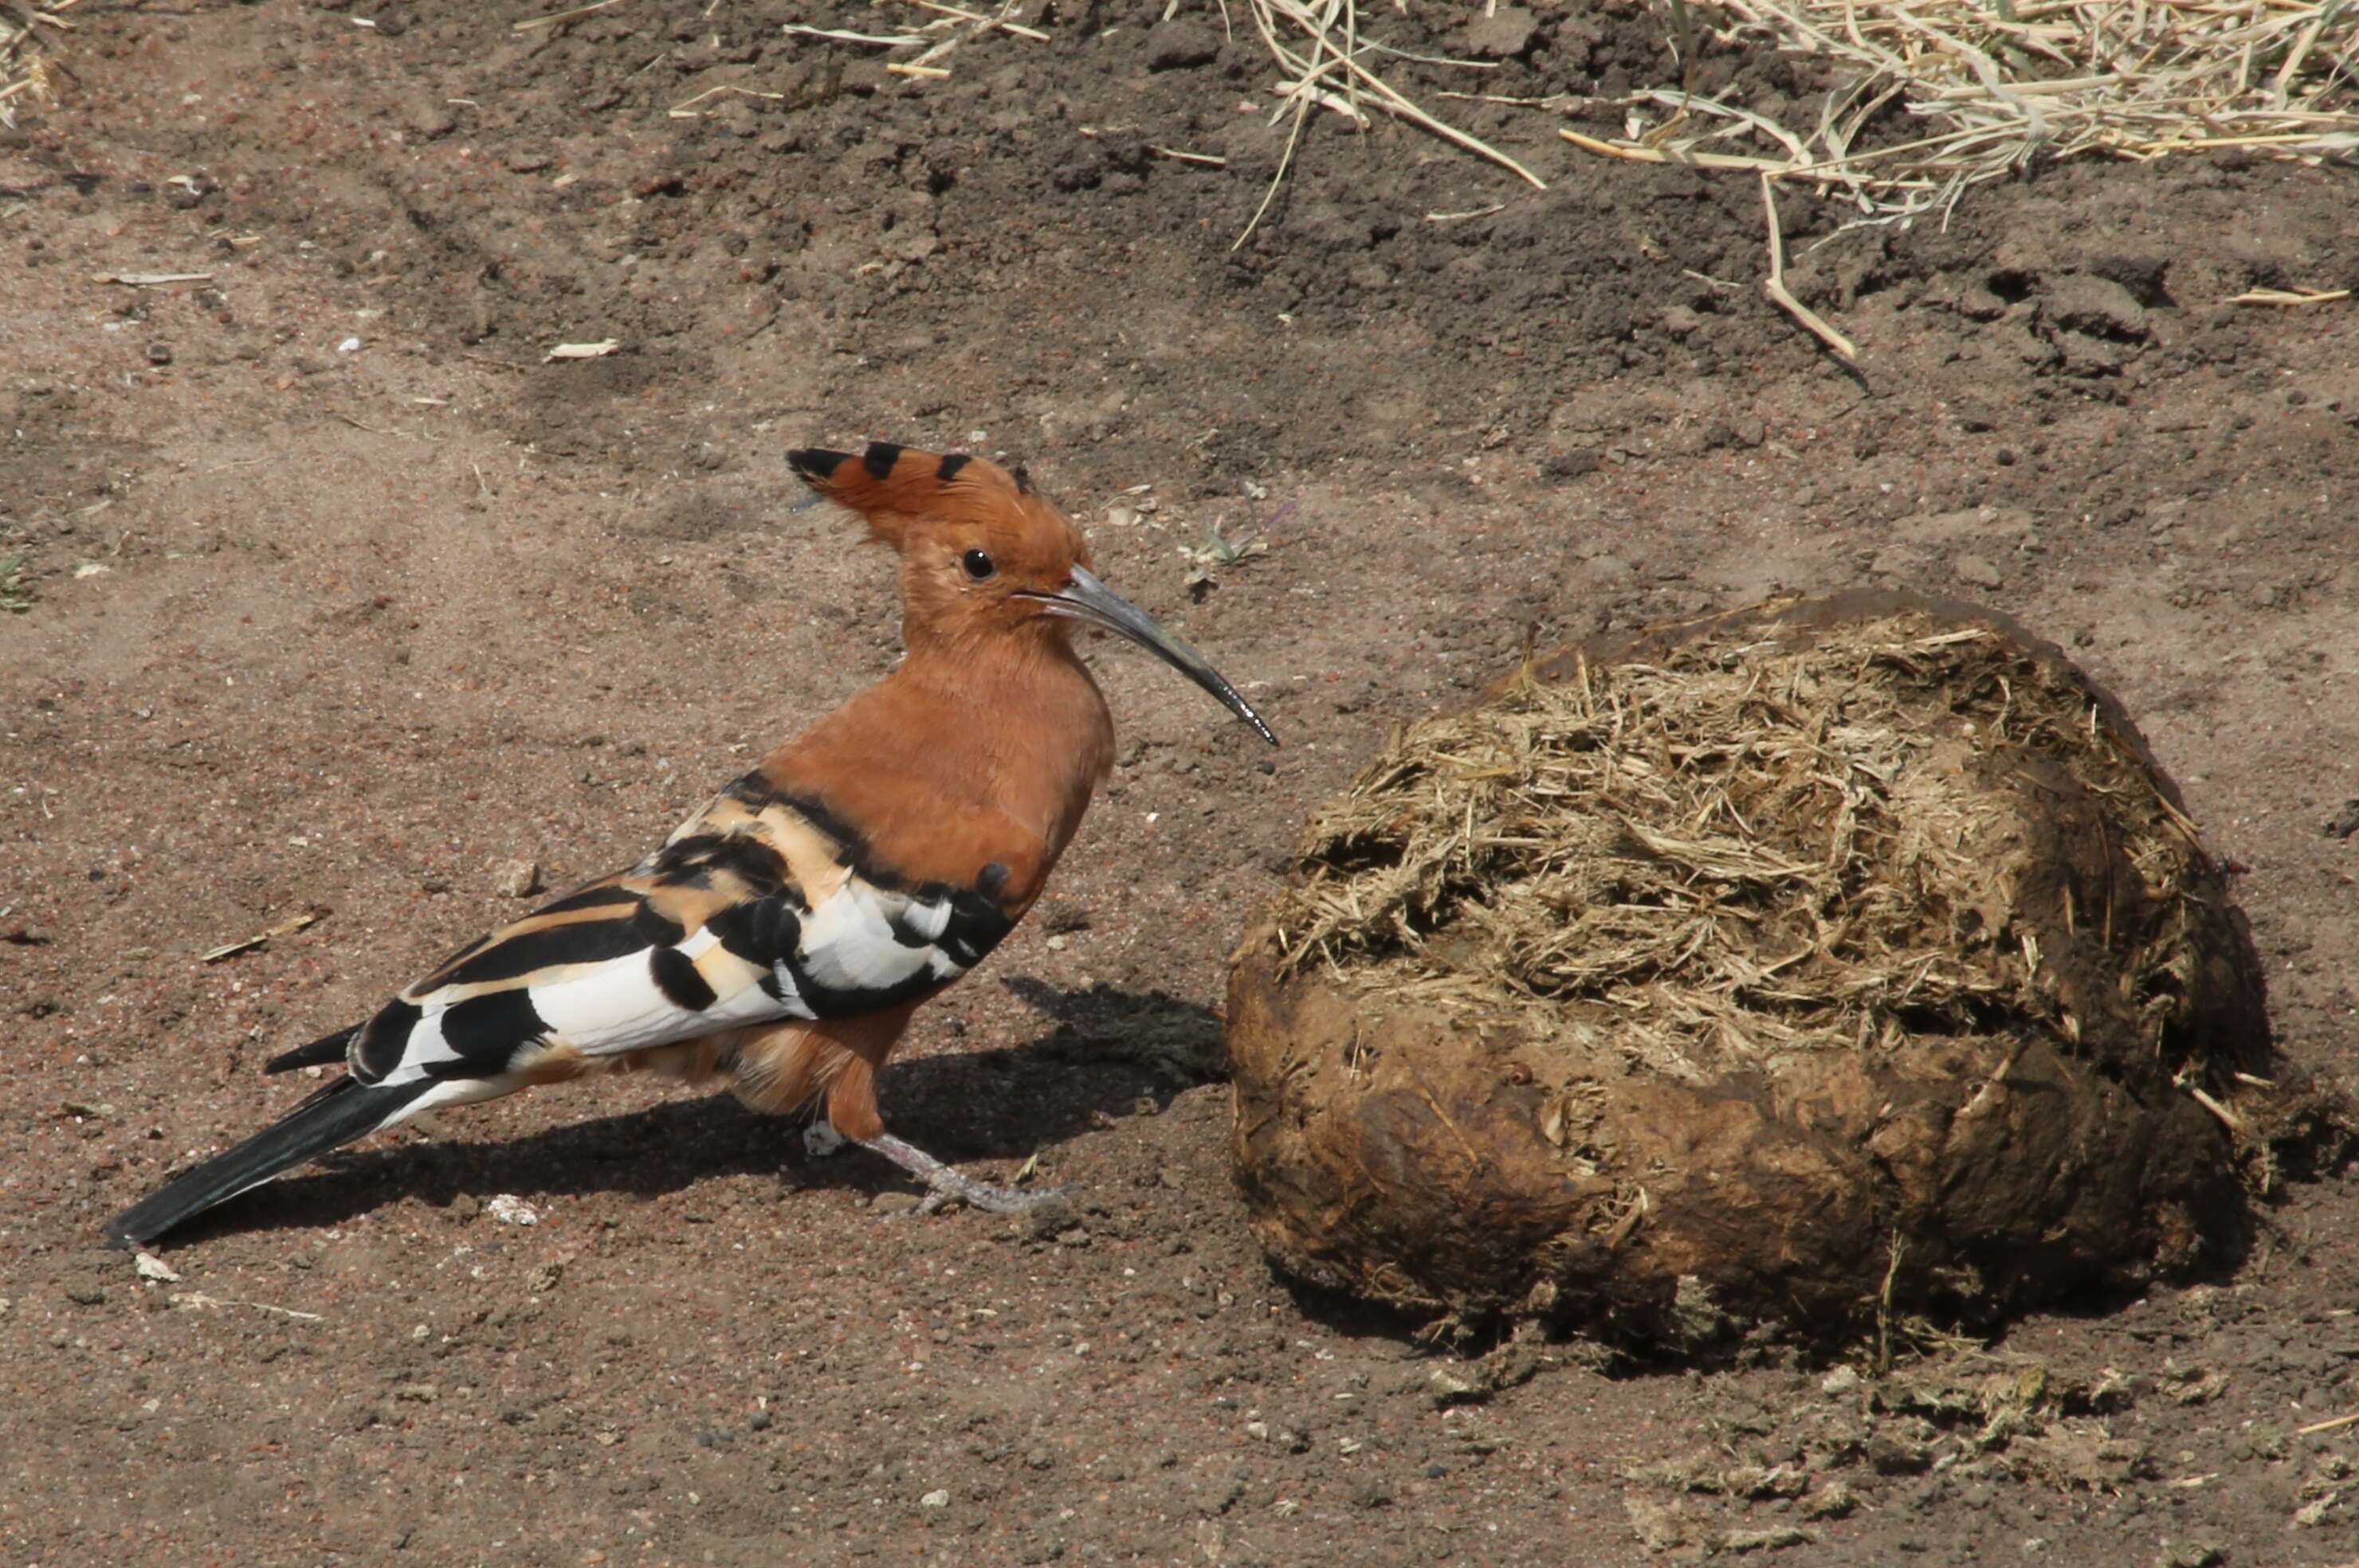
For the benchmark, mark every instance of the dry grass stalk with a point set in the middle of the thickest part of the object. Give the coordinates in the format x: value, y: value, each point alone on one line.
x: 1774, y: 286
x: 2290, y: 297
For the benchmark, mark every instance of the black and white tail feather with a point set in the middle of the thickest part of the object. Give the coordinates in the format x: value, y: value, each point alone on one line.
x: 761, y: 908
x: 340, y: 1112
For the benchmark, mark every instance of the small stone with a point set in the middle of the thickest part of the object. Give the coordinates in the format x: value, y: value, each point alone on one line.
x: 1832, y: 1500
x: 85, y: 1293
x: 2191, y: 1554
x: 1774, y: 1539
x: 465, y: 1207
x: 1840, y: 1382
x: 1371, y: 1493
x: 1890, y: 1455
x: 516, y: 878
x: 509, y: 1209
x: 1181, y: 44
x: 1678, y: 321
x: 1979, y: 570
x: 2345, y: 822
x: 1447, y: 1386
x: 937, y: 1499
x: 1039, y: 1459
x: 894, y: 1203
x: 1503, y: 34
x: 416, y: 1393
x: 160, y: 353
x: 2096, y: 306
x: 1572, y: 464
x: 528, y: 162
x: 1076, y: 1237
x: 758, y: 1421
x: 428, y: 116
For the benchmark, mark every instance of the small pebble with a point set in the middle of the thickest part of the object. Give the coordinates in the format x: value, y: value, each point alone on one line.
x: 160, y: 353
x: 1979, y: 570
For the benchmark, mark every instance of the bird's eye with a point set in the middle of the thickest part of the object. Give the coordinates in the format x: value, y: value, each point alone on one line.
x: 977, y: 564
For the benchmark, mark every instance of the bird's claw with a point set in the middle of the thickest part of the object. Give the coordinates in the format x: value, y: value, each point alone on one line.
x: 945, y: 1186
x: 952, y: 1187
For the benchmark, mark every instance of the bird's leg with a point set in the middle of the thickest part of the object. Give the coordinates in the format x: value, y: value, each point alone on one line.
x: 851, y: 1108
x: 944, y: 1185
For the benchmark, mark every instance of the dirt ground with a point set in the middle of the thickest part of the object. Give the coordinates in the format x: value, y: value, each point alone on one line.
x: 334, y: 591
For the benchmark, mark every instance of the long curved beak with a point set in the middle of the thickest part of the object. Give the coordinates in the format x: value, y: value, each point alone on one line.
x: 1087, y: 599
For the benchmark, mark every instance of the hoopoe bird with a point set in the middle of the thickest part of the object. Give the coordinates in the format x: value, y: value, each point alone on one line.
x: 785, y: 934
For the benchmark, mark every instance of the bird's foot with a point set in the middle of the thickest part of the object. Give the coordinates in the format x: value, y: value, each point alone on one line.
x: 945, y: 1186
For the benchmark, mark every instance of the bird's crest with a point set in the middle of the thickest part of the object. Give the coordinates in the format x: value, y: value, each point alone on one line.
x: 891, y: 486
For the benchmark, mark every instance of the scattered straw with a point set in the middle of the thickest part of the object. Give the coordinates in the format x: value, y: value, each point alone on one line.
x: 987, y: 22
x: 1210, y: 160
x: 25, y: 68
x: 1324, y: 56
x: 1996, y: 86
x: 1738, y: 853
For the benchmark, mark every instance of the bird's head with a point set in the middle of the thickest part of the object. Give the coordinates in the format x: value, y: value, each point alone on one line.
x: 984, y: 557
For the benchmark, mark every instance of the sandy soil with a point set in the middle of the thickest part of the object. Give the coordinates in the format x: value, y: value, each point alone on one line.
x: 335, y: 593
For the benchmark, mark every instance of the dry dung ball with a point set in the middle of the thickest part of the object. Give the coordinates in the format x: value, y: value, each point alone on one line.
x: 1800, y: 968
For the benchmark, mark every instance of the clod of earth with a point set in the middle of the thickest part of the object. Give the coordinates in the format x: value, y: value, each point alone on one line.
x: 1817, y: 965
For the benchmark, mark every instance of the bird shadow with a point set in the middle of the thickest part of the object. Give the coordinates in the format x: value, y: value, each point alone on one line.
x: 1104, y: 1052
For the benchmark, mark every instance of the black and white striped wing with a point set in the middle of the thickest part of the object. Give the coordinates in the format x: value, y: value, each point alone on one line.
x: 752, y: 912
